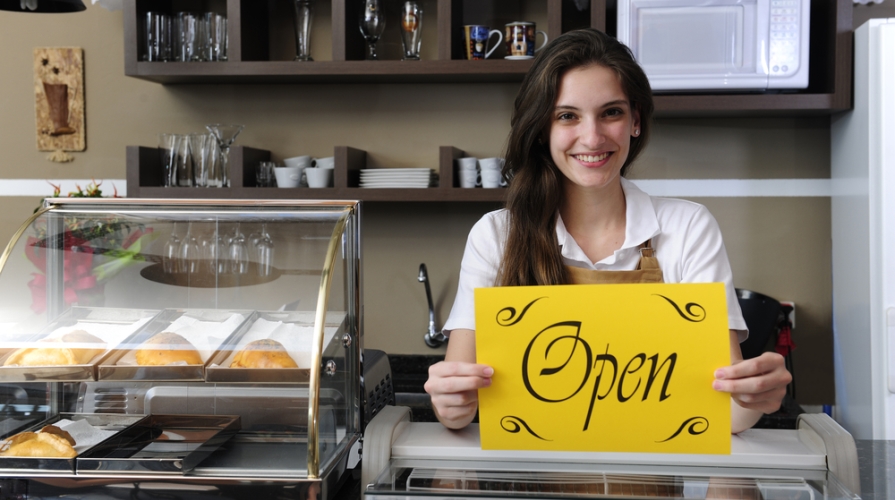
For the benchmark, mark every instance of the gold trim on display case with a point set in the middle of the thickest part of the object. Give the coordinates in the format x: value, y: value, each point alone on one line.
x: 18, y: 234
x: 317, y: 348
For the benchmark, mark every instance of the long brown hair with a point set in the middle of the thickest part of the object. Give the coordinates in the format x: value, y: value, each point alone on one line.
x: 532, y: 254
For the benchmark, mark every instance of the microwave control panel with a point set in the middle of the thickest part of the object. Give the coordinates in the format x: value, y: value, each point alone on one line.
x: 785, y: 37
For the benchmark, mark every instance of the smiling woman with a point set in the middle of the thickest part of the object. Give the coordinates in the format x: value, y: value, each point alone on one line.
x: 581, y: 117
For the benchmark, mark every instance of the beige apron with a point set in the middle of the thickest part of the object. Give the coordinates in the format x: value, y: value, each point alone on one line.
x: 647, y: 271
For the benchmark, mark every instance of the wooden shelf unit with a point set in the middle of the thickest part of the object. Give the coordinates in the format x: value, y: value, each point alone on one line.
x: 250, y: 37
x: 144, y: 180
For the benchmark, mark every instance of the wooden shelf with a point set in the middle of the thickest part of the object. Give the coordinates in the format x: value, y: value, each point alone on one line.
x: 254, y: 26
x: 334, y: 71
x: 144, y: 175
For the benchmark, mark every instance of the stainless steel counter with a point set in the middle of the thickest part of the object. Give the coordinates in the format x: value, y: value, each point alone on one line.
x: 876, y: 460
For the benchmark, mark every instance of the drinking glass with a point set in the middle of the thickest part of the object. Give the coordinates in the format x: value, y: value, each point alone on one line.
x: 214, y: 253
x: 224, y: 135
x: 158, y: 37
x: 239, y: 253
x: 168, y: 144
x: 188, y: 253
x: 215, y: 46
x: 199, y: 144
x: 264, y: 174
x: 372, y: 24
x: 183, y: 166
x: 304, y: 15
x: 411, y: 30
x: 264, y: 251
x: 169, y: 252
x: 189, y: 35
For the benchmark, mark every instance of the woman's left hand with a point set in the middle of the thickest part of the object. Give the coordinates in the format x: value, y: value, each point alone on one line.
x: 756, y: 384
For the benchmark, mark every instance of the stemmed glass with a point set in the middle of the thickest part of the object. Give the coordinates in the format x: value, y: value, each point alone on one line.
x: 169, y: 253
x: 214, y: 253
x: 188, y: 254
x: 225, y: 135
x: 264, y: 251
x: 239, y: 253
x: 372, y: 24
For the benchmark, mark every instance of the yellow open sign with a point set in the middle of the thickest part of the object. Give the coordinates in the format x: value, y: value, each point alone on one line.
x: 625, y: 368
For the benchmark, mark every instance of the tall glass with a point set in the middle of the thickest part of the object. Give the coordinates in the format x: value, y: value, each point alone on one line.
x: 199, y: 145
x: 158, y: 37
x: 225, y: 135
x: 215, y: 47
x: 411, y: 30
x: 372, y: 24
x: 168, y: 145
x: 304, y: 15
x: 183, y: 170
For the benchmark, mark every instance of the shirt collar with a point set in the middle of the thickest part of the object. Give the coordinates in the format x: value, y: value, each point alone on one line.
x: 641, y: 225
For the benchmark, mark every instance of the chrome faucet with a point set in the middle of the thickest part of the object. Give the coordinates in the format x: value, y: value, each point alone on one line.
x: 432, y: 337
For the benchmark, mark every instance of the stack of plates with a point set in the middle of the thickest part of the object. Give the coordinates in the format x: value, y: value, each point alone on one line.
x: 398, y: 178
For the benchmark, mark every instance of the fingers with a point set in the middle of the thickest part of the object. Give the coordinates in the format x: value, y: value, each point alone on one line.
x: 766, y: 402
x: 453, y: 387
x: 766, y: 363
x: 757, y: 383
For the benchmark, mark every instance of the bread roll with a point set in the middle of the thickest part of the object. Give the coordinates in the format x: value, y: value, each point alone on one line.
x: 37, y: 444
x: 166, y: 348
x: 264, y: 353
x: 55, y: 354
x: 52, y: 429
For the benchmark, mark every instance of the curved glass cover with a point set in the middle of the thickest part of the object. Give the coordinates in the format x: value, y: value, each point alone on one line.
x: 187, y: 307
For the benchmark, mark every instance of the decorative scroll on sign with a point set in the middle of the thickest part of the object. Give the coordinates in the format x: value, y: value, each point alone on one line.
x: 59, y: 94
x: 624, y: 368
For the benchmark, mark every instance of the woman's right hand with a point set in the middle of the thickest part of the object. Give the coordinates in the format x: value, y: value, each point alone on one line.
x: 454, y: 383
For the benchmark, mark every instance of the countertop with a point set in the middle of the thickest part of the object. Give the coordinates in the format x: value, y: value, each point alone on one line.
x: 876, y: 460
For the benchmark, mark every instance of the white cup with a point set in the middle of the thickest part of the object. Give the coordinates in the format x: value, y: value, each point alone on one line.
x: 491, y: 176
x: 319, y: 177
x: 288, y: 177
x: 298, y: 161
x: 328, y: 162
x: 468, y: 170
x: 301, y: 162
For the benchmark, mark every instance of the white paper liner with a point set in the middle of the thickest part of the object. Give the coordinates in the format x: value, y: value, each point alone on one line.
x: 111, y: 334
x: 206, y: 336
x: 84, y: 434
x: 296, y: 339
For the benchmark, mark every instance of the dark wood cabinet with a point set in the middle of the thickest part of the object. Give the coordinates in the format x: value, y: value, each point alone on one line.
x: 144, y: 180
x: 259, y: 34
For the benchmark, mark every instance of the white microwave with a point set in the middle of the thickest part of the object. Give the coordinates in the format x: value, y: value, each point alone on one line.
x: 718, y: 44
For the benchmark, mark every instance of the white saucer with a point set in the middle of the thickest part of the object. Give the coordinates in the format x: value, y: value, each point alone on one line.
x: 518, y: 58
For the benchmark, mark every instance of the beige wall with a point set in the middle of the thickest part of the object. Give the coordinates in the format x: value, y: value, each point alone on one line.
x: 777, y: 246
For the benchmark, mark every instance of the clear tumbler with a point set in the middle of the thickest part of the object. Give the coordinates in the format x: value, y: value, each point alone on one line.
x: 411, y: 29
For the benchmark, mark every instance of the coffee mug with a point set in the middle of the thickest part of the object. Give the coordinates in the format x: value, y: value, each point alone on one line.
x: 468, y: 172
x: 319, y: 177
x: 298, y: 161
x: 520, y: 38
x: 328, y: 162
x: 476, y: 38
x: 287, y: 177
x: 491, y: 172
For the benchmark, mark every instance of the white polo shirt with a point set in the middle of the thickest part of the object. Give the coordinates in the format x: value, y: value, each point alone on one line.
x: 685, y: 236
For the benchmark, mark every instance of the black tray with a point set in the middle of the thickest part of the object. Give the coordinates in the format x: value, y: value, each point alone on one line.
x: 160, y: 444
x: 36, y: 465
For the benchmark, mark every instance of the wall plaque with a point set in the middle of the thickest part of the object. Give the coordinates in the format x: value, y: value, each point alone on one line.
x: 59, y: 99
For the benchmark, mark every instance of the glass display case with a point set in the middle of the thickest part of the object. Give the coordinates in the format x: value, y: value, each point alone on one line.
x: 213, y: 344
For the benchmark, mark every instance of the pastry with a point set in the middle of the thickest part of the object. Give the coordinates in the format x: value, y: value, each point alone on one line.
x: 37, y: 444
x: 264, y: 353
x: 166, y: 348
x: 52, y: 429
x: 55, y: 354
